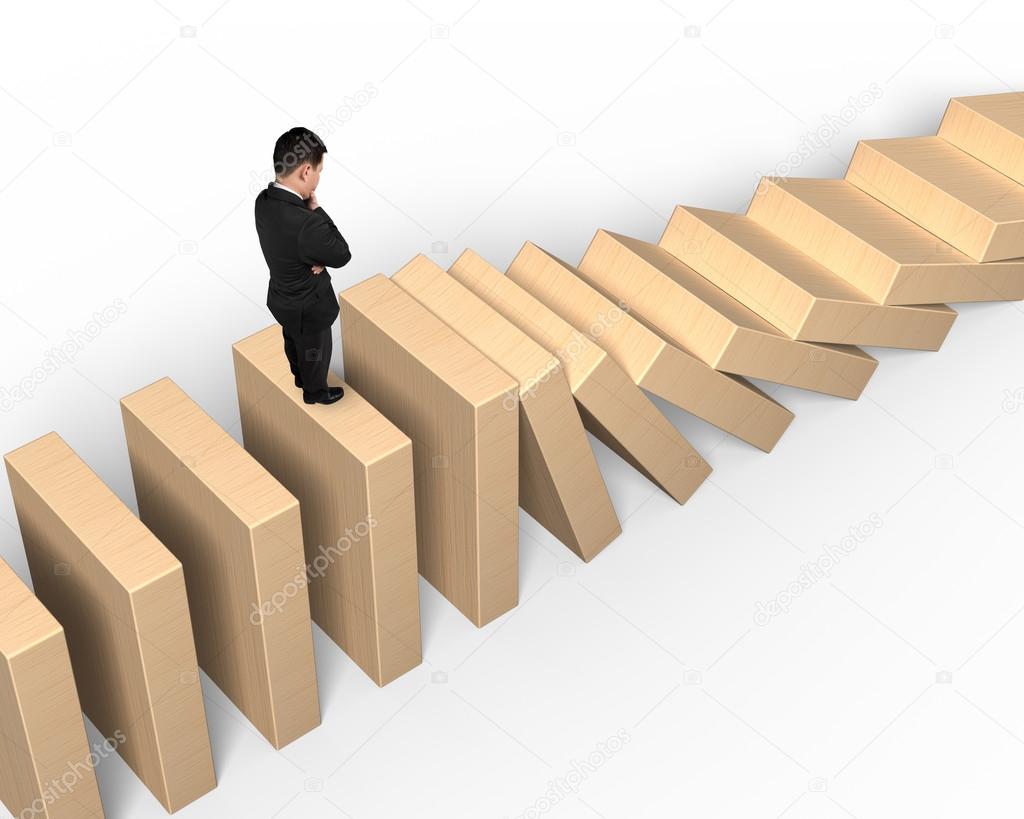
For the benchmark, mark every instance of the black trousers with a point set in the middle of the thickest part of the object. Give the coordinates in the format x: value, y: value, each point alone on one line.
x: 309, y: 356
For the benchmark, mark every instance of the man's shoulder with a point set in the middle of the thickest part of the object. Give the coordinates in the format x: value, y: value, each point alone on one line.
x: 262, y: 200
x: 271, y: 206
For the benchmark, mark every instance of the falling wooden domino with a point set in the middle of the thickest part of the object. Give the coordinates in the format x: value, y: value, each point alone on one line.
x: 959, y: 198
x: 890, y: 258
x: 612, y: 406
x: 686, y: 309
x: 238, y: 536
x: 989, y: 127
x: 351, y: 470
x: 120, y: 596
x: 727, y: 401
x: 462, y: 413
x: 47, y: 769
x: 559, y: 482
x: 792, y: 291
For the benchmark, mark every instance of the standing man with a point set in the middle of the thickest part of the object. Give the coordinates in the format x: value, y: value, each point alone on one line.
x: 299, y: 241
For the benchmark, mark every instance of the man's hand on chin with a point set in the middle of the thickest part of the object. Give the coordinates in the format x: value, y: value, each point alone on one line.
x: 317, y: 269
x: 313, y: 204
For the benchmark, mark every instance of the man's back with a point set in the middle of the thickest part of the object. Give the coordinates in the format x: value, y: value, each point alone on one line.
x: 299, y: 242
x: 294, y: 240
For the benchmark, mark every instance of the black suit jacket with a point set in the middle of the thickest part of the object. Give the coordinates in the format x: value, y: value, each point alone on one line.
x: 293, y: 239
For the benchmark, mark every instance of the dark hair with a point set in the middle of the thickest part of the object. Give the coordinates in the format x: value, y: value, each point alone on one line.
x: 295, y: 147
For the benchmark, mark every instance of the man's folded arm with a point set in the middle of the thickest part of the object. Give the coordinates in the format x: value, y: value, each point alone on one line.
x: 320, y: 242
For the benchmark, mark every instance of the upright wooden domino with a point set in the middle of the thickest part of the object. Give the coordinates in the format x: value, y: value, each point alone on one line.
x: 120, y: 596
x: 351, y: 470
x: 238, y: 535
x: 47, y: 769
x: 462, y: 413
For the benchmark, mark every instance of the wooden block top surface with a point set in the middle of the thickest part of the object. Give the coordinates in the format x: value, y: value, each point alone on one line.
x: 423, y: 335
x: 353, y: 421
x: 846, y: 205
x: 968, y: 180
x: 476, y: 321
x: 691, y: 285
x: 585, y: 308
x: 759, y: 251
x: 117, y: 539
x: 1005, y: 110
x: 24, y: 621
x: 578, y: 354
x: 204, y: 447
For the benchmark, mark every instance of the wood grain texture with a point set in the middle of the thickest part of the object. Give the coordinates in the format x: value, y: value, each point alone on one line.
x: 462, y: 413
x: 351, y: 470
x: 559, y: 482
x: 890, y: 258
x: 238, y: 535
x: 989, y: 127
x: 688, y: 310
x: 613, y: 408
x: 959, y: 198
x: 792, y: 291
x: 120, y: 596
x: 729, y: 402
x: 46, y: 769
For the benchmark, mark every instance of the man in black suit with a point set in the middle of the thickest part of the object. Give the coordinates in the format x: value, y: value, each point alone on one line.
x: 299, y: 242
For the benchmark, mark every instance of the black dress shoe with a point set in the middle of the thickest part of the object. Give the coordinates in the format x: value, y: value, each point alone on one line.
x: 298, y: 382
x: 328, y: 396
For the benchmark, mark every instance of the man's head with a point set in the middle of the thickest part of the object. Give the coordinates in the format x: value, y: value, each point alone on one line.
x: 298, y: 160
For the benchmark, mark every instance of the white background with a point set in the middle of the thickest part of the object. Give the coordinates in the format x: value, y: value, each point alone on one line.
x: 135, y: 135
